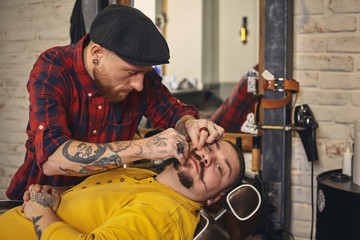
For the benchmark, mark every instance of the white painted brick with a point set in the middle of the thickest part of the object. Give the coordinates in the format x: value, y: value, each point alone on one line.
x: 355, y: 98
x: 329, y: 163
x: 308, y: 7
x: 334, y: 147
x: 42, y: 45
x: 306, y: 43
x: 324, y: 24
x: 36, y: 1
x: 12, y: 3
x: 302, y: 178
x: 23, y: 35
x: 11, y: 47
x: 21, y: 69
x: 343, y: 80
x: 324, y: 62
x: 344, y: 6
x: 306, y: 78
x: 9, y: 92
x: 349, y: 44
x: 12, y: 149
x: 60, y: 32
x: 323, y: 113
x: 64, y: 9
x: 41, y: 24
x: 10, y: 13
x: 20, y: 104
x: 301, y: 194
x: 13, y: 58
x: 298, y: 155
x: 38, y: 10
x: 14, y: 125
x: 13, y: 81
x: 301, y: 211
x: 332, y: 130
x: 301, y: 228
x: 347, y: 115
x: 13, y: 137
x: 322, y: 97
x: 11, y: 161
x: 13, y: 114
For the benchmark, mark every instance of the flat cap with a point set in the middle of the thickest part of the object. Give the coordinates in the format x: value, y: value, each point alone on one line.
x: 130, y: 34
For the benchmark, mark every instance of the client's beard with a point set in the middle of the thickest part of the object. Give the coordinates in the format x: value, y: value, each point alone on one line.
x: 185, y: 179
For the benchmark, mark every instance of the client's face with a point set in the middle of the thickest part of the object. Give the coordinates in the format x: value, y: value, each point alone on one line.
x: 210, y: 170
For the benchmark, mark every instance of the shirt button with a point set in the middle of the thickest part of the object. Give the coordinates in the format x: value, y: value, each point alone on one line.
x: 121, y: 179
x: 94, y: 132
x: 99, y: 107
x: 41, y: 127
x: 89, y: 94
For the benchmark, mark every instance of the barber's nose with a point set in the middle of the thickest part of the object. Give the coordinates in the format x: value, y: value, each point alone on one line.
x: 138, y: 82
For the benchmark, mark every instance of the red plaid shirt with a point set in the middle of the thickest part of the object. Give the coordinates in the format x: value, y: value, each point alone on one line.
x: 233, y: 112
x: 65, y: 103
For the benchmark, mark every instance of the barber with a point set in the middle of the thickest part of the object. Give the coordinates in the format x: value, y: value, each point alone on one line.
x: 87, y: 100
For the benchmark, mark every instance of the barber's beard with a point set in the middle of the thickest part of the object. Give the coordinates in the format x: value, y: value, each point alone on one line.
x: 185, y: 179
x: 106, y: 91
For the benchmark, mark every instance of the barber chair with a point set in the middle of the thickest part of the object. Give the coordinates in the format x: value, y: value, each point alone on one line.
x: 243, y: 202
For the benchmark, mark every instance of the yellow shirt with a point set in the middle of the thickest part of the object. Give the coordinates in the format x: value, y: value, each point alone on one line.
x: 121, y: 204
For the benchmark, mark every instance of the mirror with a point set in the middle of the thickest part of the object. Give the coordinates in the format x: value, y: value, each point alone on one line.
x: 205, y: 42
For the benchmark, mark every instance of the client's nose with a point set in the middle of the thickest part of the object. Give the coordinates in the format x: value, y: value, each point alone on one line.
x: 205, y: 161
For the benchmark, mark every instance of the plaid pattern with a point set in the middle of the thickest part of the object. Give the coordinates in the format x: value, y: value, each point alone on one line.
x: 65, y: 103
x: 232, y: 113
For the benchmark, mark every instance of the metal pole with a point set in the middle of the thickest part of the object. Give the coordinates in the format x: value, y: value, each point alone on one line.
x: 276, y: 162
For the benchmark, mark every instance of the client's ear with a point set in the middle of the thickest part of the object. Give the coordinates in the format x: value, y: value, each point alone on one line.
x: 215, y: 199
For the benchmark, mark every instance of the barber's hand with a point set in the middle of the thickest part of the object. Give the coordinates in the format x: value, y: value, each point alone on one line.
x: 44, y: 195
x: 169, y: 143
x: 203, y: 131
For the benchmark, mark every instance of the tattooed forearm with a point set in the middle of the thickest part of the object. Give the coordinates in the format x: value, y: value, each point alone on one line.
x: 180, y: 126
x: 36, y: 226
x: 84, y: 152
x: 102, y: 165
x: 121, y: 146
x: 118, y: 146
x: 157, y: 140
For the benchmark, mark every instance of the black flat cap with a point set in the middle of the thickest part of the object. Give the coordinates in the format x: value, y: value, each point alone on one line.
x: 130, y: 34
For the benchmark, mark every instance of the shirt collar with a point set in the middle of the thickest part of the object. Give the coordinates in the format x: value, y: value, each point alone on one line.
x: 83, y: 76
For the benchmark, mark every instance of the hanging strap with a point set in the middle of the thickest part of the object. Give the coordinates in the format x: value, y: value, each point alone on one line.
x: 280, y: 85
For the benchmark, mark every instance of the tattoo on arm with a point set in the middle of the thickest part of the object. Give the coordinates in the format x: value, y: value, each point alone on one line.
x: 180, y: 127
x: 85, y: 153
x: 121, y: 146
x: 101, y: 165
x: 91, y: 155
x: 157, y: 140
x: 36, y: 226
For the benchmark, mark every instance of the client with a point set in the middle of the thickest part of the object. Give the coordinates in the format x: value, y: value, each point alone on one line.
x: 129, y: 203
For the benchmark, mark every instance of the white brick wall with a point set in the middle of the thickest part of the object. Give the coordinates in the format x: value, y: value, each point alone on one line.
x: 27, y: 27
x: 326, y: 63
